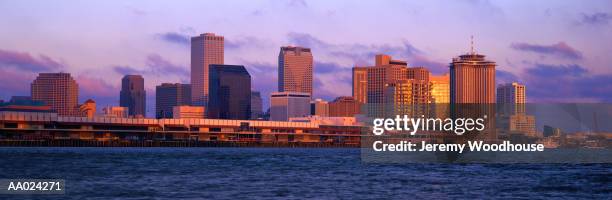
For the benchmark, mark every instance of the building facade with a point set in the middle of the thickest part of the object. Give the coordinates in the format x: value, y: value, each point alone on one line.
x: 230, y: 92
x: 88, y: 109
x: 440, y: 88
x: 168, y: 95
x: 285, y: 105
x: 206, y: 49
x: 188, y: 112
x: 295, y: 70
x: 256, y: 105
x: 133, y: 95
x: 319, y: 107
x: 472, y: 80
x: 115, y: 112
x: 58, y: 90
x: 345, y: 107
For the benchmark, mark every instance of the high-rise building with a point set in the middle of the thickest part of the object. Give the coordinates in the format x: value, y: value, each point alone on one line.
x: 256, y: 105
x: 440, y: 88
x: 58, y: 90
x: 511, y: 93
x: 319, y: 107
x: 418, y: 73
x: 344, y: 107
x: 88, y: 109
x: 285, y: 105
x: 511, y: 109
x: 440, y: 95
x: 206, y: 49
x: 168, y: 95
x: 360, y: 84
x: 295, y: 65
x: 472, y: 79
x: 230, y: 92
x: 408, y: 97
x: 385, y: 71
x: 133, y: 95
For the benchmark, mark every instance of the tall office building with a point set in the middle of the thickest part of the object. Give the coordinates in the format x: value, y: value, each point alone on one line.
x: 133, y: 95
x: 472, y: 79
x: 230, y: 92
x: 58, y: 90
x: 295, y: 65
x: 360, y: 84
x: 511, y: 93
x: 511, y: 109
x: 206, y: 49
x: 256, y: 105
x: 369, y: 83
x: 168, y: 95
x: 440, y: 95
x: 418, y: 73
x: 408, y: 97
x: 440, y: 88
x: 285, y: 105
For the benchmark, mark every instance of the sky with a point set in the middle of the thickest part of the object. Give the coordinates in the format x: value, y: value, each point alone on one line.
x: 560, y: 49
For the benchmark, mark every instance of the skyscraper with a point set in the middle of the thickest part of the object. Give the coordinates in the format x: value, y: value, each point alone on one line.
x: 472, y: 79
x: 369, y: 83
x: 256, y: 105
x: 230, y: 92
x: 360, y: 84
x: 168, y: 95
x: 133, y: 95
x: 206, y: 49
x: 285, y: 105
x: 440, y: 88
x: 295, y: 65
x: 58, y: 90
x: 511, y: 93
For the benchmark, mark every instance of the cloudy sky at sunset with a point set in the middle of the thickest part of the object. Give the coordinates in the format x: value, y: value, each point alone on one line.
x: 562, y: 50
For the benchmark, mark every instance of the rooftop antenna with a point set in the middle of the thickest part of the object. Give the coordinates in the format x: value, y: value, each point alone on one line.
x: 472, y: 45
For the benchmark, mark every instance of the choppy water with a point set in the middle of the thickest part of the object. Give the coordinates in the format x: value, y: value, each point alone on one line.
x: 267, y: 173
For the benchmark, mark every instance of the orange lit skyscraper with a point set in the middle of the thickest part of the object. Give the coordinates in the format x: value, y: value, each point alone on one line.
x: 472, y: 79
x: 206, y: 49
x: 58, y: 90
x: 295, y: 70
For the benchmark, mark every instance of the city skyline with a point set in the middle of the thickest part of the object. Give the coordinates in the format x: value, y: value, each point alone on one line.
x: 575, y: 57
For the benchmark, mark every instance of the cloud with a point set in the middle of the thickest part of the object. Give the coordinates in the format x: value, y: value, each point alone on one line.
x: 155, y: 65
x: 176, y: 38
x: 18, y: 83
x: 297, y: 3
x: 566, y: 83
x: 502, y: 76
x: 160, y: 65
x: 246, y: 41
x: 598, y: 18
x: 560, y: 49
x: 25, y: 62
x: 97, y: 89
x: 546, y: 70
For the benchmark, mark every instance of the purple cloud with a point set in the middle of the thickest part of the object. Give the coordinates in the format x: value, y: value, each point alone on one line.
x: 599, y: 18
x: 176, y: 38
x: 546, y: 70
x: 155, y: 65
x: 560, y: 49
x: 502, y: 76
x: 565, y: 83
x: 25, y: 62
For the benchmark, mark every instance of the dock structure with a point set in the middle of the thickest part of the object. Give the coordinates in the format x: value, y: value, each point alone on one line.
x: 49, y: 129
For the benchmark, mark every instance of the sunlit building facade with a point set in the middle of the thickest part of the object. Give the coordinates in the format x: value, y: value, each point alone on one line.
x: 58, y: 90
x: 206, y: 49
x: 295, y: 65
